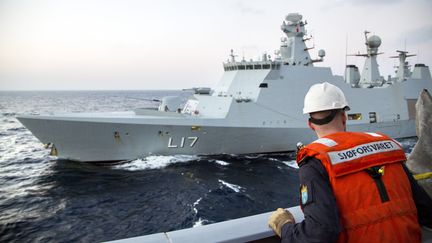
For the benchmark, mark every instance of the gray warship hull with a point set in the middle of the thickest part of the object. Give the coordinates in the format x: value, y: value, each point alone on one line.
x: 127, y: 136
x: 255, y: 108
x: 94, y: 141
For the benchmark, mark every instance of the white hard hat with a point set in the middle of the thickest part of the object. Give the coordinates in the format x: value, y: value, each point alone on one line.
x: 322, y: 97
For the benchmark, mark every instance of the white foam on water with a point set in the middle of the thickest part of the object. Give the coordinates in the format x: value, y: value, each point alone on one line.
x: 155, y: 162
x: 199, y: 222
x: 221, y: 162
x: 291, y: 163
x: 195, y: 204
x: 233, y: 187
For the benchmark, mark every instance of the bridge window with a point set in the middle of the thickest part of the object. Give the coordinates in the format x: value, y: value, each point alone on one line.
x: 372, y: 117
x: 241, y: 67
x: 249, y: 67
x: 257, y: 66
x: 356, y: 116
x: 263, y: 85
x: 266, y: 66
x: 275, y: 66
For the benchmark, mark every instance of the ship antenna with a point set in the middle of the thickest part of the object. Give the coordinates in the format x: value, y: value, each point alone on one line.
x: 346, y: 50
x: 366, y: 42
x: 418, y: 56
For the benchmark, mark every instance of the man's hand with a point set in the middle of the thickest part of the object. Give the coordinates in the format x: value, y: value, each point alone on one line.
x: 278, y: 219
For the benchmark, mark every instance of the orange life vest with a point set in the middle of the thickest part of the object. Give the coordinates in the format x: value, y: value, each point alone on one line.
x: 367, y: 212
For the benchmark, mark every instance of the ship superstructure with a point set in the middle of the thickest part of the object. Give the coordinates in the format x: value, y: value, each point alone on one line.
x: 255, y: 108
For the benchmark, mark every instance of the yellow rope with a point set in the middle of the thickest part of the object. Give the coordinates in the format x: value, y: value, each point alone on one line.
x: 423, y: 176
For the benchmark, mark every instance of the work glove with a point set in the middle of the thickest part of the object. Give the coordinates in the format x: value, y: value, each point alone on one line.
x: 278, y: 219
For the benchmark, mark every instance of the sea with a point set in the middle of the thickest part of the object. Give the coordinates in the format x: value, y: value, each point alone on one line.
x: 43, y: 199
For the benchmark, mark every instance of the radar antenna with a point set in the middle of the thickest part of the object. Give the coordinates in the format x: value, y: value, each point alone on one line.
x: 232, y: 56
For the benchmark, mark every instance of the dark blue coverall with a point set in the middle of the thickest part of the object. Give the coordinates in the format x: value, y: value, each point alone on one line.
x: 321, y: 223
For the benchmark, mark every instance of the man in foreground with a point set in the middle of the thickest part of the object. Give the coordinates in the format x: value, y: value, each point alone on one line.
x: 353, y: 186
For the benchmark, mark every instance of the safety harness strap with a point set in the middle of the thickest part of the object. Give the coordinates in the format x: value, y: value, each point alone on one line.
x: 324, y: 120
x: 376, y: 173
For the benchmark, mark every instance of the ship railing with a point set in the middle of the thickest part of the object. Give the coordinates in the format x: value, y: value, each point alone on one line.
x: 248, y: 229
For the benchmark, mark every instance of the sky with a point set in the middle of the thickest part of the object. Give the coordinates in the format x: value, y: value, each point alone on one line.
x: 169, y: 44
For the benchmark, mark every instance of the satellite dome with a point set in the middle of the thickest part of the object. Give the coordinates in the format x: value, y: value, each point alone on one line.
x: 293, y: 18
x: 321, y: 53
x: 374, y: 41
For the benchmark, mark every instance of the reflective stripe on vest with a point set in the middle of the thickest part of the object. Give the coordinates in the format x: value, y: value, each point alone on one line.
x: 349, y: 152
x: 362, y: 150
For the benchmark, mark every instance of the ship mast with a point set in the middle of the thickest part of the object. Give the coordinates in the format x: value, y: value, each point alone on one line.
x: 403, y: 71
x: 370, y: 76
x: 293, y: 50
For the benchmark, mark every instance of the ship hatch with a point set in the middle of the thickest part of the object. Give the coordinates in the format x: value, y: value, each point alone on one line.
x: 411, y: 108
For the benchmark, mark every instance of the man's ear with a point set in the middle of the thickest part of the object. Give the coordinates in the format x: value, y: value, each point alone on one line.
x: 344, y: 118
x: 311, y: 126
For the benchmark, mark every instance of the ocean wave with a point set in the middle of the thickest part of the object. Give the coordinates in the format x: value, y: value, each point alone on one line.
x: 9, y: 114
x: 155, y: 162
x: 17, y: 129
x: 233, y: 187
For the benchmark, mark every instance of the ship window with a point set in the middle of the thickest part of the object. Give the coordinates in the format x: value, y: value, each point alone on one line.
x: 266, y: 66
x: 263, y: 85
x: 225, y: 68
x: 372, y: 117
x: 257, y: 66
x: 241, y: 67
x: 356, y: 116
x: 235, y: 68
x: 249, y: 67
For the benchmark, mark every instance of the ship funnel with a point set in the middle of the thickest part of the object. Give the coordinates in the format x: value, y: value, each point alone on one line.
x: 421, y: 71
x: 352, y: 75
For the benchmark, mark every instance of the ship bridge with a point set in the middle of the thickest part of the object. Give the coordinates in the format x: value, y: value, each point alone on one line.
x: 265, y: 63
x: 253, y: 65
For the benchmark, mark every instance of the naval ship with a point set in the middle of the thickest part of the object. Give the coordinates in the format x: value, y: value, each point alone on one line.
x: 255, y: 108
